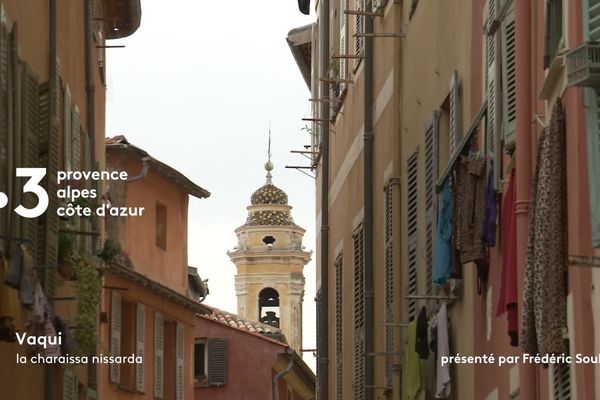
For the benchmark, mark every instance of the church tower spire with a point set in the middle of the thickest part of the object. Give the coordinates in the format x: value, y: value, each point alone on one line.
x: 270, y: 260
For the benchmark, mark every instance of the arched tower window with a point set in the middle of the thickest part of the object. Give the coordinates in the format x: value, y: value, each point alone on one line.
x: 268, y: 307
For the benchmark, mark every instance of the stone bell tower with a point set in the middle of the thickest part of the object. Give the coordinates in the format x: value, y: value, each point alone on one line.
x: 270, y: 260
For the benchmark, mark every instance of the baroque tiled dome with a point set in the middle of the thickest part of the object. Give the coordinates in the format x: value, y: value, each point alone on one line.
x: 269, y: 194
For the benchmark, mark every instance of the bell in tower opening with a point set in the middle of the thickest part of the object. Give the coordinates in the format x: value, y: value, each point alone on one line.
x: 268, y: 307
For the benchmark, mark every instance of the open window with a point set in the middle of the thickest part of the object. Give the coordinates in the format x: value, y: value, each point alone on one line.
x: 268, y: 307
x: 210, y: 362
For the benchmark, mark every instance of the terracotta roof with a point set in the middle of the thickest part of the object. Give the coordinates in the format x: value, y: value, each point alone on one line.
x: 233, y: 321
x: 120, y: 142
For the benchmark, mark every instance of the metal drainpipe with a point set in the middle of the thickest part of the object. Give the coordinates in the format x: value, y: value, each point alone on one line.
x: 279, y: 375
x: 368, y: 204
x: 90, y: 91
x: 527, y: 372
x: 323, y: 352
x: 50, y: 375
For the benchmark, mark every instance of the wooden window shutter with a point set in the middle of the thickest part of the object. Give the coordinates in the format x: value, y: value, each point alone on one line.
x: 321, y: 352
x: 67, y: 130
x: 6, y: 212
x: 359, y: 314
x: 180, y: 348
x: 76, y: 138
x: 359, y: 27
x: 455, y: 112
x: 389, y: 279
x: 30, y: 142
x: 217, y: 361
x: 509, y: 87
x: 431, y: 174
x: 115, y: 334
x: 159, y: 330
x: 492, y: 79
x: 591, y: 20
x: 554, y: 30
x: 339, y: 328
x: 70, y: 386
x: 140, y: 343
x: 412, y: 202
x: 48, y: 228
x: 343, y: 41
x: 561, y: 381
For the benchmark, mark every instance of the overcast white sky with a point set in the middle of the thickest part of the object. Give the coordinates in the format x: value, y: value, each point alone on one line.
x: 196, y: 87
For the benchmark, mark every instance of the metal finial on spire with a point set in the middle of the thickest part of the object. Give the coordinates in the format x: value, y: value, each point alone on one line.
x: 269, y: 165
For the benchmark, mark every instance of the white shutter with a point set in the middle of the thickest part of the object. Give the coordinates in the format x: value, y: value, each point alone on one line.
x: 490, y: 84
x: 115, y: 335
x: 180, y: 377
x: 76, y: 139
x: 67, y: 130
x: 140, y: 335
x: 342, y: 61
x: 158, y: 355
x: 509, y: 84
x: 454, y: 113
x: 412, y: 205
x: 358, y: 28
x: 69, y: 385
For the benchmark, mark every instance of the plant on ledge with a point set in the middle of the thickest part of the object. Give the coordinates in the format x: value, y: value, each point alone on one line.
x: 88, y: 291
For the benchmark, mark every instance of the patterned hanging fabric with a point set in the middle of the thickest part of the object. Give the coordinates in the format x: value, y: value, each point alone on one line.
x: 544, y: 300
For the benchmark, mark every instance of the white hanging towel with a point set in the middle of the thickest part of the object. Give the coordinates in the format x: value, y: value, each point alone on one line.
x: 443, y: 350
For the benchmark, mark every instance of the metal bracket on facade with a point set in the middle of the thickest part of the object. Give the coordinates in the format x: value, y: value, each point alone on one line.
x: 430, y: 297
x: 325, y: 100
x: 380, y: 34
x: 363, y: 13
x: 334, y: 81
x: 394, y: 325
x: 114, y: 46
x: 383, y: 353
x: 350, y: 56
x: 316, y: 120
x: 585, y: 261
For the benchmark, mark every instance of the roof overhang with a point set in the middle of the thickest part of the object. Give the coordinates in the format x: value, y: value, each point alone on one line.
x: 120, y: 143
x: 123, y: 17
x: 300, y: 42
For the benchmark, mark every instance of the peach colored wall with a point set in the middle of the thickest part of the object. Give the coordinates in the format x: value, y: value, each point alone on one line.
x: 166, y: 267
x: 153, y: 302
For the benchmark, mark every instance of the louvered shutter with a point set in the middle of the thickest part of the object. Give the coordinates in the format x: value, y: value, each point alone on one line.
x: 180, y: 348
x: 509, y: 87
x: 339, y: 328
x: 30, y: 142
x: 87, y: 166
x: 140, y: 343
x: 115, y: 335
x: 561, y: 381
x: 76, y: 138
x: 67, y: 130
x: 431, y: 173
x: 49, y: 149
x: 389, y: 279
x: 359, y: 27
x: 359, y: 313
x: 455, y: 110
x: 4, y: 129
x: 412, y: 202
x: 592, y: 103
x: 343, y: 25
x: 321, y: 352
x: 158, y: 354
x: 554, y: 30
x: 69, y: 385
x: 217, y: 361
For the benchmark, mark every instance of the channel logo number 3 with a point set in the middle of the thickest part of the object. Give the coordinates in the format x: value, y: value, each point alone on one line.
x: 32, y: 185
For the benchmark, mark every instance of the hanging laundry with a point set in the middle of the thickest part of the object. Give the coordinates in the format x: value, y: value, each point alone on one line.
x: 421, y: 342
x: 52, y: 348
x: 443, y: 350
x: 413, y: 376
x: 507, y: 301
x: 20, y: 267
x: 68, y: 343
x: 491, y: 212
x: 442, y: 262
x: 470, y: 206
x: 544, y: 297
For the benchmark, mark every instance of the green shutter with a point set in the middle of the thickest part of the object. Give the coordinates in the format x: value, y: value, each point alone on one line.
x: 179, y: 362
x: 389, y: 279
x: 70, y: 386
x: 509, y: 87
x: 591, y: 20
x: 67, y: 130
x: 29, y: 142
x: 554, y: 30
x: 217, y: 361
x: 140, y: 344
x: 159, y: 330
x: 115, y: 334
